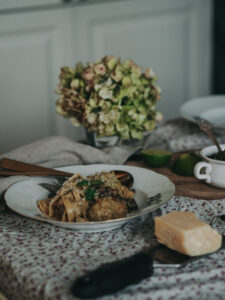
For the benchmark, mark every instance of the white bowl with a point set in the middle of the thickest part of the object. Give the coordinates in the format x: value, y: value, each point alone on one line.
x: 210, y: 170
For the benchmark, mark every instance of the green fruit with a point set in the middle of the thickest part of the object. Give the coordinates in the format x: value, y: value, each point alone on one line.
x: 185, y: 163
x: 156, y: 158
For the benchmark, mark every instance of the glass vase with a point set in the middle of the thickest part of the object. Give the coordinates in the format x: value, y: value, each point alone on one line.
x: 114, y: 141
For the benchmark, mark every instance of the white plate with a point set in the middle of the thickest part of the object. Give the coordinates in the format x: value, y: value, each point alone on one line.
x: 211, y: 108
x: 152, y: 190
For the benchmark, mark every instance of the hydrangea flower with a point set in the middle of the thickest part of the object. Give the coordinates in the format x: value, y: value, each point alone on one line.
x: 110, y: 97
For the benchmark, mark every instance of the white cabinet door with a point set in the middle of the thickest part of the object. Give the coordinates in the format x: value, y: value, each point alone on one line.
x: 172, y: 36
x: 33, y: 47
x: 15, y: 4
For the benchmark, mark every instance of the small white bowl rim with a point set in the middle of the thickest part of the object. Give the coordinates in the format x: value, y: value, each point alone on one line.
x: 209, y: 150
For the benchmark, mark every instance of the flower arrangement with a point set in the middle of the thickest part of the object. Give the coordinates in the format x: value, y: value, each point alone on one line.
x: 109, y: 97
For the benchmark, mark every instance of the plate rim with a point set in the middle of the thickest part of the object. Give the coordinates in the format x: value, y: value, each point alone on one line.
x: 194, y: 100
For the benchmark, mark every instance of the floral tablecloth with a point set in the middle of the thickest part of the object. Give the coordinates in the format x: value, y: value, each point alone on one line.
x: 40, y: 261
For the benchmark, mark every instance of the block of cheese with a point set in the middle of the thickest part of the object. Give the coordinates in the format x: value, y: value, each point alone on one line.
x: 185, y: 233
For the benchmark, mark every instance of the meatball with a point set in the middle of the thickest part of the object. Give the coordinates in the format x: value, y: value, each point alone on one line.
x: 106, y: 209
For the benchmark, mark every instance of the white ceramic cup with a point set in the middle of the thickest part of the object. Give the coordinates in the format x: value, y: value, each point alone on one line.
x: 211, y: 170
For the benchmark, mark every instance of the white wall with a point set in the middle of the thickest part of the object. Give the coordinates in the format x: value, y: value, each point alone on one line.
x: 172, y: 36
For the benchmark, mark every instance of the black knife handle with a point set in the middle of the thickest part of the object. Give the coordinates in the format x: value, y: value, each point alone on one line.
x: 114, y: 276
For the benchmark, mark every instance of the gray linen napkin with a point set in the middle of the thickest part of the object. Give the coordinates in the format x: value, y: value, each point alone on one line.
x: 58, y: 151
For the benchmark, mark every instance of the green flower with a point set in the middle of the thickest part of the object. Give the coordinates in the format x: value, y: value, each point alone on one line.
x: 74, y: 121
x: 149, y: 125
x: 128, y: 63
x: 136, y: 71
x: 105, y: 93
x: 60, y: 110
x: 91, y: 118
x: 139, y: 118
x: 103, y: 117
x: 149, y: 73
x: 123, y: 129
x: 88, y: 74
x: 79, y: 68
x: 109, y: 97
x: 97, y: 87
x: 109, y: 129
x: 136, y: 134
x: 117, y: 75
x: 111, y: 62
x: 100, y: 69
x: 75, y: 83
x: 126, y: 81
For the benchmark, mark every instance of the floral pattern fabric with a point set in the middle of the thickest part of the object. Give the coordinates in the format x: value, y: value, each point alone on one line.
x: 41, y: 261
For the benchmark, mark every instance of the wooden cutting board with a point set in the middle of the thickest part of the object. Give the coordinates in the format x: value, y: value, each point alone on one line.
x: 186, y: 186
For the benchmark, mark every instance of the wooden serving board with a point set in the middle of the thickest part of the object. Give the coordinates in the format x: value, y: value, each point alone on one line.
x: 186, y: 186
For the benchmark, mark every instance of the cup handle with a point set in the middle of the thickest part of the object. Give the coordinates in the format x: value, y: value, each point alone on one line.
x: 208, y: 168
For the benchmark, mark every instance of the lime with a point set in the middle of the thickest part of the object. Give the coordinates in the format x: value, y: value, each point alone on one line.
x: 185, y: 163
x: 156, y: 158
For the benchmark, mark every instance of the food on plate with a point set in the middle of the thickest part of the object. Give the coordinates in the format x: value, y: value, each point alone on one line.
x: 185, y: 233
x: 98, y: 197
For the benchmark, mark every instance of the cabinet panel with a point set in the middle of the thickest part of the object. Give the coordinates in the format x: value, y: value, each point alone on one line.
x: 15, y: 4
x: 31, y: 53
x: 25, y: 99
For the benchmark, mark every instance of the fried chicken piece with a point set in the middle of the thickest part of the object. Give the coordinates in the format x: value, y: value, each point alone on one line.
x: 106, y: 209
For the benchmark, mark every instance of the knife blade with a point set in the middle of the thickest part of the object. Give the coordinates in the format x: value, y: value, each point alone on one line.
x: 112, y: 277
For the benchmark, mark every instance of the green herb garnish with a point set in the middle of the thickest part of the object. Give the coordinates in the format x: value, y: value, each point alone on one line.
x: 97, y: 182
x: 83, y: 183
x: 89, y: 194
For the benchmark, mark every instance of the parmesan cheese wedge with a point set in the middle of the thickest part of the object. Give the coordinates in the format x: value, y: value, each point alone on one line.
x: 185, y: 233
